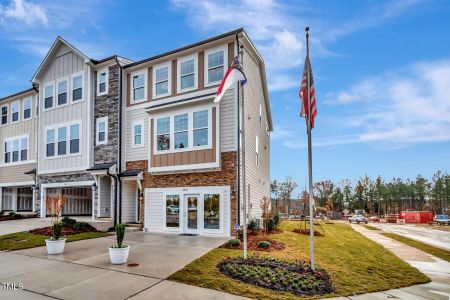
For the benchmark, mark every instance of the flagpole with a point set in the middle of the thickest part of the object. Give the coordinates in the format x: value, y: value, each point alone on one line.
x: 308, y: 122
x: 244, y: 182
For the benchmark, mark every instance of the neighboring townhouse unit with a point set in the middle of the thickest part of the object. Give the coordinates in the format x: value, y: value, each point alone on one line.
x: 186, y: 145
x: 144, y: 142
x: 18, y: 128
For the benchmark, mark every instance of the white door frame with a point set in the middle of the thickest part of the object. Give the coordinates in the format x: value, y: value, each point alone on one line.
x: 185, y: 227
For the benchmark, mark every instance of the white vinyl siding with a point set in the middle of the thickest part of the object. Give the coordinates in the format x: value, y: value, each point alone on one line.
x: 129, y: 201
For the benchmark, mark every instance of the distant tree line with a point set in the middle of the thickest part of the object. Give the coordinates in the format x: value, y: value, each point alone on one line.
x: 375, y: 196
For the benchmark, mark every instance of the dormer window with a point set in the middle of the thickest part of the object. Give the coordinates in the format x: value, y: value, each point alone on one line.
x: 162, y: 76
x: 48, y: 96
x: 138, y: 84
x: 62, y: 92
x: 102, y: 82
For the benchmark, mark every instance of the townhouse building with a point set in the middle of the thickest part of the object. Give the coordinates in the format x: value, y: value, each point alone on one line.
x: 144, y: 142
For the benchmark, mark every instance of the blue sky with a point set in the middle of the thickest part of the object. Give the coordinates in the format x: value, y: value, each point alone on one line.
x: 382, y: 69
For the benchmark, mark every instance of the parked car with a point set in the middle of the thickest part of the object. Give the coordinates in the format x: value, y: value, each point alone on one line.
x: 173, y: 209
x: 358, y: 219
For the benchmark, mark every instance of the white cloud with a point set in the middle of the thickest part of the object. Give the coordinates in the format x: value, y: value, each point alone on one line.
x: 23, y: 12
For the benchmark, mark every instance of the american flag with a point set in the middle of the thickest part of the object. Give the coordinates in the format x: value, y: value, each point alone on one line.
x: 303, y: 93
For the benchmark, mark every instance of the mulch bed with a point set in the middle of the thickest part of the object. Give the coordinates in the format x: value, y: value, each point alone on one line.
x: 306, y: 232
x: 293, y: 277
x: 253, y: 239
x: 48, y: 231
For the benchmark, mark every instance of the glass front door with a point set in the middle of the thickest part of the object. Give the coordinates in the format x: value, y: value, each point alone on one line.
x: 191, y: 213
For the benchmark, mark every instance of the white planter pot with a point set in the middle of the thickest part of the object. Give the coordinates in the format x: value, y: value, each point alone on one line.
x: 55, y: 246
x: 119, y: 256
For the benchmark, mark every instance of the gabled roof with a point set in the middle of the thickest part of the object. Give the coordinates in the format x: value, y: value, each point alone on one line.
x: 58, y: 42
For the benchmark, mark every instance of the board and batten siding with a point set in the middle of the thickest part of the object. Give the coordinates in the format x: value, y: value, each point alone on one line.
x: 129, y: 201
x: 257, y: 177
x: 64, y: 64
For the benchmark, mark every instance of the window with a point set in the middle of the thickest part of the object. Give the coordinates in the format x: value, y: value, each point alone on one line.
x: 48, y: 96
x: 50, y: 151
x: 24, y: 149
x: 7, y: 156
x: 187, y: 73
x: 102, y: 82
x: 4, y: 115
x: 102, y: 131
x: 137, y: 133
x: 173, y: 211
x: 215, y: 66
x: 163, y: 133
x: 257, y: 151
x: 200, y: 128
x: 27, y: 108
x: 181, y: 131
x: 62, y: 141
x: 211, y: 211
x: 15, y: 150
x: 162, y: 84
x: 139, y: 87
x: 62, y: 92
x: 15, y: 108
x: 77, y: 87
x: 74, y: 138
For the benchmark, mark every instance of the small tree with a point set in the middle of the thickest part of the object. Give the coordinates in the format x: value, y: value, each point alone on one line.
x: 55, y: 206
x: 265, y: 207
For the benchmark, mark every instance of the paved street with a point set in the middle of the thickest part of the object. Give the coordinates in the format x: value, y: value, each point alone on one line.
x: 427, y: 235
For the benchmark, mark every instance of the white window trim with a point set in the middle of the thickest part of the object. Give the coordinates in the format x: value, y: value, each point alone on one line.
x: 179, y: 62
x: 169, y: 79
x: 223, y: 48
x: 68, y: 138
x: 68, y: 91
x: 191, y: 146
x: 27, y: 99
x: 10, y: 139
x: 7, y: 114
x: 104, y: 70
x: 138, y: 122
x: 257, y: 155
x: 97, y: 132
x: 54, y: 97
x: 19, y: 107
x: 139, y: 72
x: 71, y: 87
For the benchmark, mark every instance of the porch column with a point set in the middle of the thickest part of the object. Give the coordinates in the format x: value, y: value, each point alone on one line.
x: 93, y: 202
x: 33, y: 190
x: 14, y: 199
x: 43, y: 213
x: 1, y: 198
x: 113, y: 195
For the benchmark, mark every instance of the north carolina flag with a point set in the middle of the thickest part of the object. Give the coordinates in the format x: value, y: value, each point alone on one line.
x: 233, y: 74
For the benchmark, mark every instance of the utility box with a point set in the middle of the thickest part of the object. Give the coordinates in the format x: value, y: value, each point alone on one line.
x: 417, y: 217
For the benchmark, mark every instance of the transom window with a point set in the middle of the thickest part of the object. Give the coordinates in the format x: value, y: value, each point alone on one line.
x: 4, y: 115
x: 181, y: 131
x: 162, y: 81
x: 215, y: 62
x: 102, y: 80
x: 77, y: 88
x: 62, y: 92
x: 48, y: 96
x: 27, y: 108
x: 15, y: 108
x: 102, y: 131
x: 187, y: 74
x: 139, y: 87
x: 200, y: 128
x: 163, y: 133
x: 63, y: 140
x: 16, y: 150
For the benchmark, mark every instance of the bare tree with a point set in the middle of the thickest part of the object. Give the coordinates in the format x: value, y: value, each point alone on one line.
x: 286, y: 189
x: 275, y: 192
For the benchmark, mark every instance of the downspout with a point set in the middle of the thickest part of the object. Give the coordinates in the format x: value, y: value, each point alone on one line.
x: 119, y: 154
x: 36, y: 188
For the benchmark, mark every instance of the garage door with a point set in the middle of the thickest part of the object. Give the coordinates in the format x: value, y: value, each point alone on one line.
x: 24, y: 199
x: 78, y: 200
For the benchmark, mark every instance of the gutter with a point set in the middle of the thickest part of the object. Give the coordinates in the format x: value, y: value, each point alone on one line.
x: 120, y: 139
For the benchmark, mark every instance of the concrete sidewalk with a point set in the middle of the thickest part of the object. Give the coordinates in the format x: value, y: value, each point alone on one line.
x: 437, y: 269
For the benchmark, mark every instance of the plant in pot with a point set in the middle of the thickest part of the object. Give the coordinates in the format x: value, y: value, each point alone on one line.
x: 55, y: 244
x: 118, y: 254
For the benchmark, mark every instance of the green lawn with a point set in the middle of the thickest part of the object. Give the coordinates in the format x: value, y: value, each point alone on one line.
x: 444, y: 254
x: 356, y: 264
x: 369, y: 227
x: 24, y: 240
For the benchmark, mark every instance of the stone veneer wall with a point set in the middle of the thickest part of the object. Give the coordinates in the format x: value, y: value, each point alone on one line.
x: 108, y: 106
x: 225, y: 176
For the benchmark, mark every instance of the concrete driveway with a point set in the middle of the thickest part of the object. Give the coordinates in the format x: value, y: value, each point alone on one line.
x: 428, y: 235
x: 84, y: 271
x: 12, y: 226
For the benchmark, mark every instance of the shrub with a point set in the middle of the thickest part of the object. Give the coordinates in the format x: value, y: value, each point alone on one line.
x: 68, y: 222
x: 120, y: 234
x: 80, y: 226
x: 14, y: 215
x: 252, y: 225
x: 234, y: 242
x: 2, y: 213
x: 57, y: 229
x: 264, y: 244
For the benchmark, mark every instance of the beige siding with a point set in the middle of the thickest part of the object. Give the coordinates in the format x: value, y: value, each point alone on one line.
x: 66, y: 64
x: 15, y: 174
x: 129, y: 201
x: 257, y: 177
x: 228, y: 121
x: 105, y: 196
x: 138, y: 153
x: 154, y: 208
